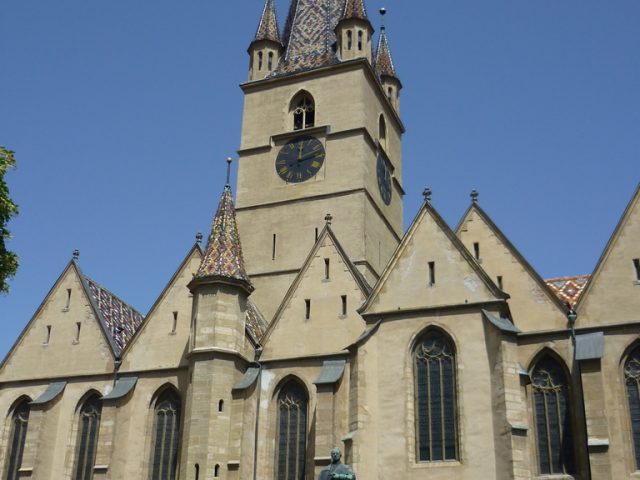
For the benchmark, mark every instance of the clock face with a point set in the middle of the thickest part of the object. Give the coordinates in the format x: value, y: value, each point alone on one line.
x: 300, y: 159
x: 384, y: 180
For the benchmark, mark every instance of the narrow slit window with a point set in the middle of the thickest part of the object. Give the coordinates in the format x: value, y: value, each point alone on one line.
x: 66, y: 307
x: 221, y: 405
x: 174, y: 327
x: 390, y: 93
x: 316, y: 234
x: 78, y: 327
x: 216, y: 471
x: 307, y: 306
x: 636, y: 264
x: 260, y: 60
x: 273, y: 247
x: 47, y: 335
x: 270, y: 61
x: 197, y: 472
x: 326, y: 269
x: 344, y: 304
x: 432, y: 274
x: 360, y: 40
x: 476, y: 250
x: 500, y: 284
x: 349, y: 39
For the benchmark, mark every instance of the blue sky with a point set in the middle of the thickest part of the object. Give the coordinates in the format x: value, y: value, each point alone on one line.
x: 121, y: 115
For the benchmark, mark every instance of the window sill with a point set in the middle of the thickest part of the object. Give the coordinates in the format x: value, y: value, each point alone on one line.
x: 556, y: 476
x: 441, y: 464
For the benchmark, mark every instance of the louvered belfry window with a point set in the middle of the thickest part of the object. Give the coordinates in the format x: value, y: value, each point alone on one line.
x: 552, y: 411
x: 304, y: 112
x: 292, y: 432
x: 632, y: 380
x: 19, y: 423
x: 89, y: 425
x: 166, y: 436
x: 435, y: 398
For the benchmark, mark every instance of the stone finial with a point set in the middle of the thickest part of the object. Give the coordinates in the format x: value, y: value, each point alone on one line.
x: 427, y: 194
x: 199, y: 238
x: 229, y: 161
x: 328, y: 219
x: 76, y: 254
x: 474, y: 195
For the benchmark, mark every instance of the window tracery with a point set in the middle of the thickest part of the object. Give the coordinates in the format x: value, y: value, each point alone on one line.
x: 304, y: 115
x: 632, y: 382
x: 19, y: 424
x: 166, y: 436
x: 292, y: 432
x: 88, y: 438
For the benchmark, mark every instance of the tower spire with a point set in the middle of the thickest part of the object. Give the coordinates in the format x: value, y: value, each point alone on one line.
x: 266, y: 47
x: 268, y: 26
x: 385, y: 68
x: 354, y: 9
x: 354, y: 31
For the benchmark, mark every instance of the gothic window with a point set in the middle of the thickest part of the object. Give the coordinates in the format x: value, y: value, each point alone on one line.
x: 88, y: 427
x: 292, y: 432
x: 19, y: 423
x: 435, y: 398
x: 304, y: 114
x: 632, y: 380
x: 551, y: 406
x: 166, y: 431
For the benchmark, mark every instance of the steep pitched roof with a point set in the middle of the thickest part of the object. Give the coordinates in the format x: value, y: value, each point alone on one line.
x: 568, y: 289
x: 255, y: 323
x: 309, y: 35
x: 354, y: 9
x: 268, y: 26
x: 223, y: 255
x: 384, y: 61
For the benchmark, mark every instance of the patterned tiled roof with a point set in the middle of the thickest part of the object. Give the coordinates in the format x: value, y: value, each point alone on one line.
x: 256, y: 325
x: 121, y: 320
x: 384, y: 61
x: 268, y: 26
x: 309, y: 35
x: 568, y: 289
x: 223, y: 255
x: 354, y: 9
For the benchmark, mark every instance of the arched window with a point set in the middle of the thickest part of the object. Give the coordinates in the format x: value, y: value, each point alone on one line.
x: 360, y: 40
x: 292, y: 432
x: 89, y: 425
x: 390, y: 93
x: 349, y: 39
x: 382, y: 132
x: 260, y: 54
x: 551, y: 405
x: 166, y: 432
x: 270, y: 64
x: 632, y: 380
x: 304, y: 113
x: 435, y: 398
x: 19, y: 423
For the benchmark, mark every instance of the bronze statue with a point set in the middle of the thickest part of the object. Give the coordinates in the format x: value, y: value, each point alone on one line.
x: 337, y: 470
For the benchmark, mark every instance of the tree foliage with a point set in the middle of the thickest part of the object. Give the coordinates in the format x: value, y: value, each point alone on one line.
x: 8, y: 209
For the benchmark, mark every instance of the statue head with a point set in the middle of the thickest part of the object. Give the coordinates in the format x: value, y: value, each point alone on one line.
x: 336, y: 454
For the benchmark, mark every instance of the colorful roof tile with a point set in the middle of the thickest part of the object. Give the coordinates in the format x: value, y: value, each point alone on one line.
x: 223, y: 255
x: 569, y: 289
x: 384, y: 61
x: 256, y: 325
x: 309, y: 35
x: 268, y: 26
x: 354, y: 9
x: 120, y: 319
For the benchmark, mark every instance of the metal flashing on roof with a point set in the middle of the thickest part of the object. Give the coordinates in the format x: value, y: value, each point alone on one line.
x: 503, y: 324
x: 249, y: 378
x: 122, y: 388
x: 332, y: 371
x: 53, y: 390
x: 590, y: 346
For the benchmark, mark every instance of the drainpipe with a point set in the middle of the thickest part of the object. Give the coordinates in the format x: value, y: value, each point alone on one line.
x: 255, y: 434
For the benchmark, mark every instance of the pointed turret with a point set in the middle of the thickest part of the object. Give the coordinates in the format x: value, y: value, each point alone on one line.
x: 386, y: 71
x: 266, y: 48
x: 354, y: 32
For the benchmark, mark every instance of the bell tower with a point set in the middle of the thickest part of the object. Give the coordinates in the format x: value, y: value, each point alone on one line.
x: 319, y: 135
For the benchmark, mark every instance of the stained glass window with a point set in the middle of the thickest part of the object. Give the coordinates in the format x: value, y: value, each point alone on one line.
x: 292, y: 432
x: 19, y: 423
x: 166, y: 433
x: 632, y: 380
x: 551, y: 403
x: 88, y: 428
x: 435, y: 398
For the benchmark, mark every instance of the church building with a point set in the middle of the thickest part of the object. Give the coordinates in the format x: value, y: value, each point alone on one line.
x: 310, y: 318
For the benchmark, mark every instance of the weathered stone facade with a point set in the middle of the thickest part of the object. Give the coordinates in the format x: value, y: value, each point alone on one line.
x: 321, y: 317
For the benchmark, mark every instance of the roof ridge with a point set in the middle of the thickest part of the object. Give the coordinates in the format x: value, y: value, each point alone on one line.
x: 117, y: 297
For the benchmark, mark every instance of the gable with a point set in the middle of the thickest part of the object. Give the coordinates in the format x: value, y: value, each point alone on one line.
x: 406, y: 282
x: 77, y: 343
x: 327, y: 329
x: 613, y: 293
x: 533, y: 306
x: 163, y: 338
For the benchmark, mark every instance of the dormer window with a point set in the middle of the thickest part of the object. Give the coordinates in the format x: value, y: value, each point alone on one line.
x: 304, y: 114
